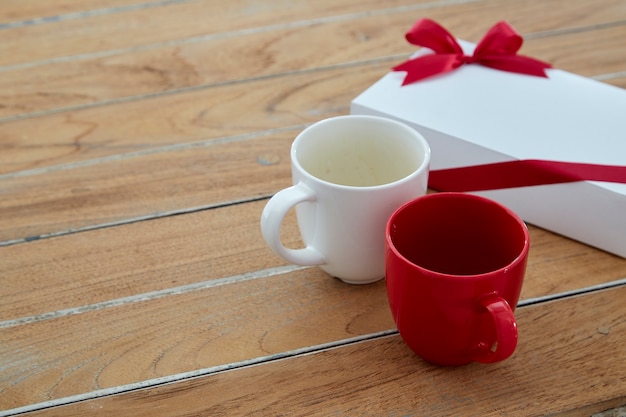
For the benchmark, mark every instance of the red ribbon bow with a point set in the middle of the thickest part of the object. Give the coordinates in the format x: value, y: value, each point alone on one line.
x: 497, y: 49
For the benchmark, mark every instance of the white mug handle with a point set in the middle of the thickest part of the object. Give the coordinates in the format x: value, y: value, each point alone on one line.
x: 272, y: 217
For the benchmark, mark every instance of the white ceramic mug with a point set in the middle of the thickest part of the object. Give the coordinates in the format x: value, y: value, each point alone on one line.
x: 350, y: 173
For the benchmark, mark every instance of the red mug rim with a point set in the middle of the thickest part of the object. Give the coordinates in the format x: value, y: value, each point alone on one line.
x: 518, y: 259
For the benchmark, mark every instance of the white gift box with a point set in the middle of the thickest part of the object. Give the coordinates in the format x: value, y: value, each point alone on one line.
x: 477, y: 115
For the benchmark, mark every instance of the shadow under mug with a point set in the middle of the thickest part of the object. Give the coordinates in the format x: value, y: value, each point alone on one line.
x: 455, y: 264
x: 350, y: 173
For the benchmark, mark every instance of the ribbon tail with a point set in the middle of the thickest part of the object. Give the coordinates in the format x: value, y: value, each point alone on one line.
x: 523, y: 173
x: 427, y: 66
x: 516, y: 63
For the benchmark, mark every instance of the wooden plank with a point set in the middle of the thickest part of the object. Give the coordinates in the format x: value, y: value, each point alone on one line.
x: 214, y: 112
x: 148, y: 26
x: 72, y: 344
x: 618, y: 81
x: 153, y: 185
x: 107, y: 264
x: 148, y: 299
x: 28, y: 12
x: 181, y: 333
x: 31, y: 207
x: 230, y: 109
x: 170, y: 67
x: 111, y: 263
x: 206, y: 113
x: 556, y: 370
x: 562, y: 53
x: 156, y: 25
x: 558, y: 265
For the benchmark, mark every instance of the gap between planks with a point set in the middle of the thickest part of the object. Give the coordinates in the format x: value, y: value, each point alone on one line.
x: 131, y: 220
x: 309, y: 350
x: 266, y: 273
x: 206, y: 142
x: 152, y: 216
x: 89, y: 13
x: 153, y: 295
x: 252, y: 31
x: 197, y: 373
x: 201, y: 87
x: 160, y: 149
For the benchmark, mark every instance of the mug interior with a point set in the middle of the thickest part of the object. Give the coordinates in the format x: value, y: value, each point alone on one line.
x: 457, y: 234
x: 359, y: 151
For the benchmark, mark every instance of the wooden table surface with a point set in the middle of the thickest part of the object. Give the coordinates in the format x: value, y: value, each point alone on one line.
x: 139, y: 142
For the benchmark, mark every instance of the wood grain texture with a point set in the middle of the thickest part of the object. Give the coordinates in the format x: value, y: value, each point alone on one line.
x: 34, y: 11
x: 129, y: 260
x: 35, y: 208
x: 144, y: 27
x: 619, y: 82
x: 111, y: 263
x: 182, y: 330
x: 89, y: 80
x: 383, y: 377
x: 139, y: 142
x: 193, y: 177
x: 182, y: 333
x: 150, y: 121
x: 217, y: 112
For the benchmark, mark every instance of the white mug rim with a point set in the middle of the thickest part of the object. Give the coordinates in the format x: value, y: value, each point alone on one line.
x: 424, y: 166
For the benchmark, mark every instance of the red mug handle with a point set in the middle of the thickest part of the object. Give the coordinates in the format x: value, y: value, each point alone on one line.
x: 505, y: 327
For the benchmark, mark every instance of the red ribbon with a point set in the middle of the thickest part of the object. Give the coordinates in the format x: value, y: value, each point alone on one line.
x: 524, y: 173
x: 497, y: 49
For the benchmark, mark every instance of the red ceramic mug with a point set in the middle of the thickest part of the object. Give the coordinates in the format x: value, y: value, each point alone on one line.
x: 454, y: 267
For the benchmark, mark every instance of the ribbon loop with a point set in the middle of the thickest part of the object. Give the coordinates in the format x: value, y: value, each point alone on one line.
x: 497, y: 49
x: 501, y: 39
x: 430, y: 34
